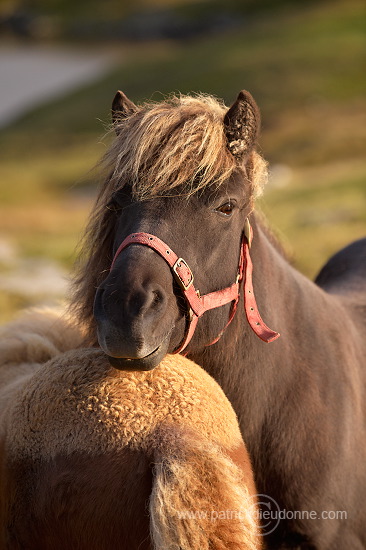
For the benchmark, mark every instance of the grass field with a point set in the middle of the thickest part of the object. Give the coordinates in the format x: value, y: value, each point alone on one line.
x: 304, y: 65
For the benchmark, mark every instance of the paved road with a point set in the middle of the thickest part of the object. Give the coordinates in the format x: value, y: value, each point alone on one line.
x: 30, y: 75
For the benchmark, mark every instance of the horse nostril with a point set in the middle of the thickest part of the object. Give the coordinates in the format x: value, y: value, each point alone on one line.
x: 148, y: 301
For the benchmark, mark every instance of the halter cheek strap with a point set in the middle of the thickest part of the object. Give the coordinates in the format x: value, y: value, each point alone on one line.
x: 250, y: 304
x: 198, y: 304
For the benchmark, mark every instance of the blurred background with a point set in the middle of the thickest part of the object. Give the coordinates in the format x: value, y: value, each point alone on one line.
x: 61, y: 62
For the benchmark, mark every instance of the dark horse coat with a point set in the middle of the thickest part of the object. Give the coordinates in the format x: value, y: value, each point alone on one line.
x: 186, y: 171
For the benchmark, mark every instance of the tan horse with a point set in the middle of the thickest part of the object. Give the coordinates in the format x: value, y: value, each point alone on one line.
x: 95, y: 458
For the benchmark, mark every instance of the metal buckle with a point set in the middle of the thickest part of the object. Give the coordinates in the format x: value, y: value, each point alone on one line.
x: 180, y: 281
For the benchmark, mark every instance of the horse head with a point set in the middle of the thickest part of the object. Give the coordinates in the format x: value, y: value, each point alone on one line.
x: 182, y: 174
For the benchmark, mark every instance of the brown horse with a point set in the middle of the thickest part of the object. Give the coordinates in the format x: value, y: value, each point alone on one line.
x: 182, y: 176
x: 94, y: 458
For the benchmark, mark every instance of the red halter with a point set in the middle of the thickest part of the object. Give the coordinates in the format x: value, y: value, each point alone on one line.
x: 199, y: 304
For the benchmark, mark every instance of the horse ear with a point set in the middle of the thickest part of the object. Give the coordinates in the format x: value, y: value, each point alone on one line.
x: 242, y: 123
x: 122, y: 107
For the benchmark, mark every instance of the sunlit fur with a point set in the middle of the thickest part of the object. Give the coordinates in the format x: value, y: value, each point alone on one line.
x: 75, y: 405
x: 178, y: 146
x: 175, y: 147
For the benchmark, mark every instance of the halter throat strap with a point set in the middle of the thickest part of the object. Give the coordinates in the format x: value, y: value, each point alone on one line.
x: 197, y: 304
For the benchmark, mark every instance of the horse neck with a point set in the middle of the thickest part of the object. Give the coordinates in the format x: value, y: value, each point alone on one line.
x: 256, y: 376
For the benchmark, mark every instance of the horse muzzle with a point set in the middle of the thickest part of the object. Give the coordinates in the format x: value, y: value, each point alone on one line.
x: 150, y: 303
x: 149, y: 362
x: 136, y: 312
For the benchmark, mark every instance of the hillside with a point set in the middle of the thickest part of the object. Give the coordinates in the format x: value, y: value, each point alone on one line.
x: 304, y: 65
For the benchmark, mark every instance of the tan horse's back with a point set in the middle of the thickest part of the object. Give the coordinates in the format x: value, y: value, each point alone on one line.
x: 99, y: 458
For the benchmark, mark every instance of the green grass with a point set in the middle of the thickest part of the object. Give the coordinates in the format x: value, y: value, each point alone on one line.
x: 321, y: 210
x: 303, y: 63
x: 294, y: 61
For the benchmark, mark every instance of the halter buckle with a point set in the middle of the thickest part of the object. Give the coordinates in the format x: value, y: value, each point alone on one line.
x: 180, y: 280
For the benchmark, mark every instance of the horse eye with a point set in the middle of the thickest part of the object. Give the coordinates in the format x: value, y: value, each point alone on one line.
x: 225, y: 209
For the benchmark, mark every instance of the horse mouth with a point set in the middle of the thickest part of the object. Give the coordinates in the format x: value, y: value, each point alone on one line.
x: 149, y: 362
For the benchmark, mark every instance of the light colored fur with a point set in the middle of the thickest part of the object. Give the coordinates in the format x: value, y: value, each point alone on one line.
x: 175, y: 146
x: 29, y: 341
x: 208, y: 487
x: 36, y: 336
x: 80, y: 389
x: 75, y: 402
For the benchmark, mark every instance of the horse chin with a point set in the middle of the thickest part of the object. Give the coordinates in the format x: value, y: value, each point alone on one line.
x: 149, y: 362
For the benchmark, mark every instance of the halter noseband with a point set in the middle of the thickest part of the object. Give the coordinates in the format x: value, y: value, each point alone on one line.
x: 198, y: 304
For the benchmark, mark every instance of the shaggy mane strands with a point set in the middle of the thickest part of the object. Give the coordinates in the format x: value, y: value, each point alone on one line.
x: 176, y: 147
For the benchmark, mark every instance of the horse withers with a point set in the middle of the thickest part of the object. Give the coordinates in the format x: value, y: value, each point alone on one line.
x: 168, y: 260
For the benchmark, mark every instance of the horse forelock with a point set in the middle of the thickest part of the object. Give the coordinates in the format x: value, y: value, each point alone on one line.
x: 177, y: 147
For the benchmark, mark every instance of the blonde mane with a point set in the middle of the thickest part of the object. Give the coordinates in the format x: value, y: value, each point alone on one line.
x: 177, y: 147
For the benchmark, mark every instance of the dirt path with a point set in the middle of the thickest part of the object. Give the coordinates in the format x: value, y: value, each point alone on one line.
x: 33, y: 74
